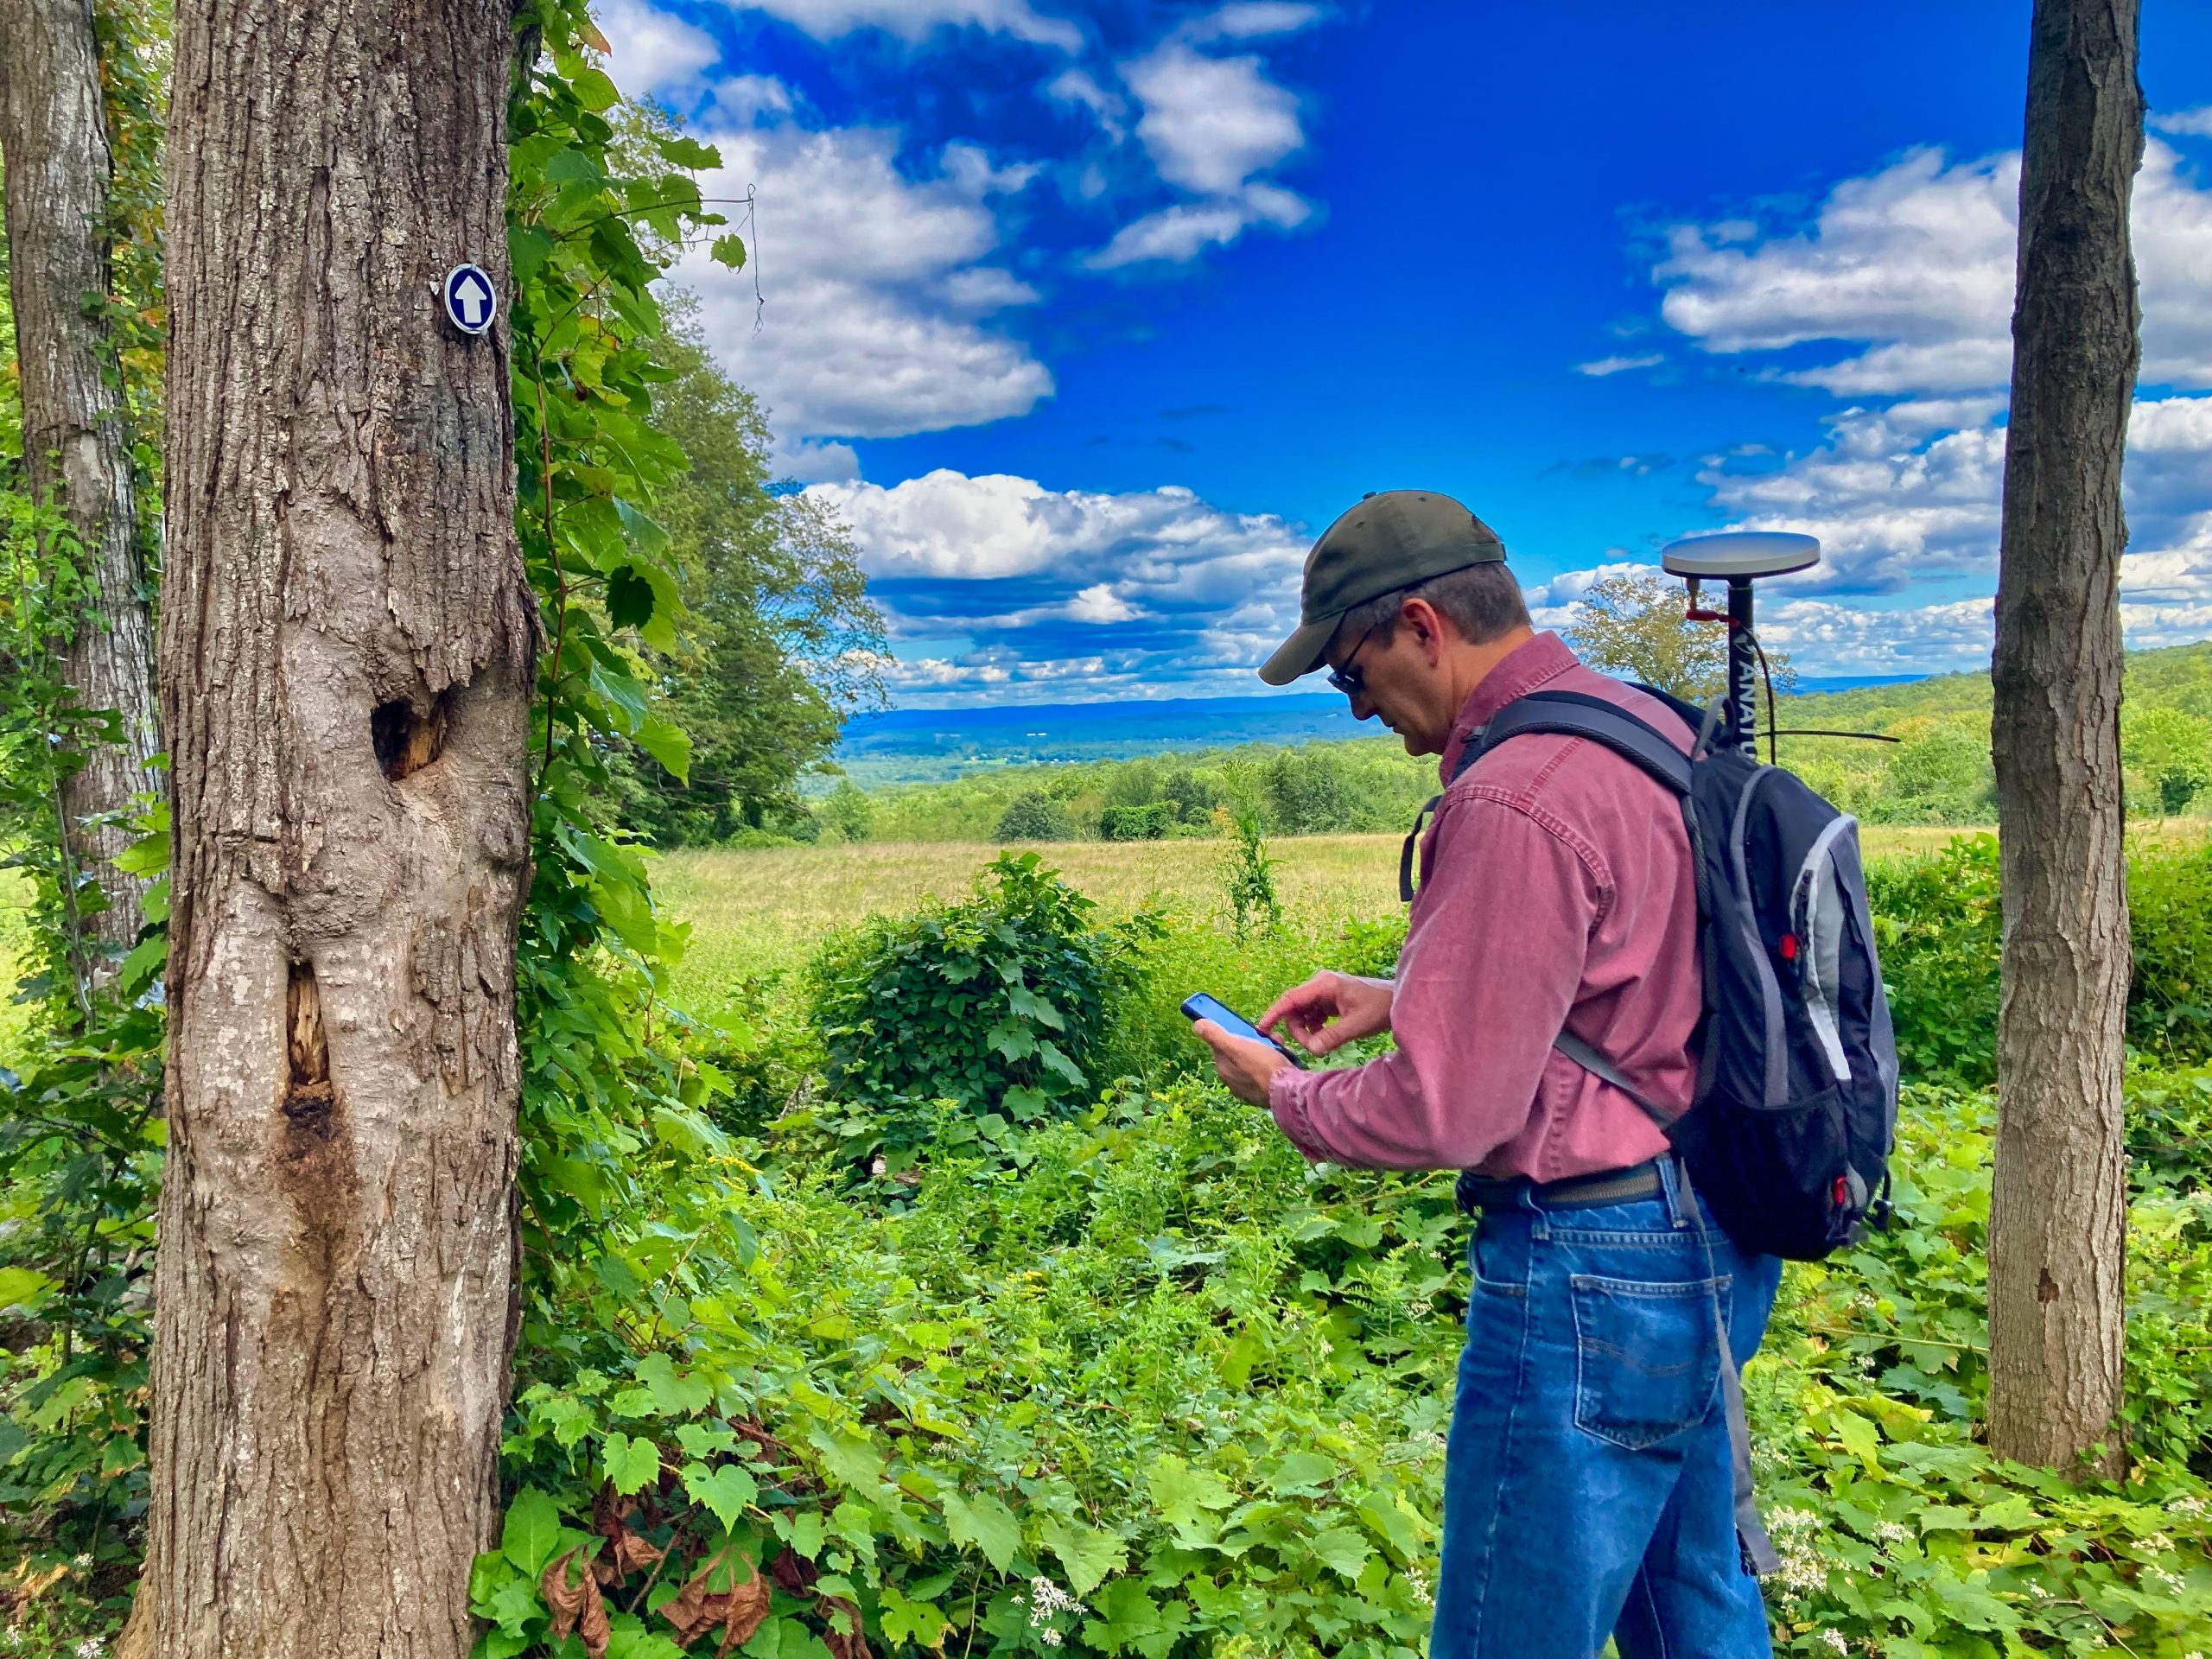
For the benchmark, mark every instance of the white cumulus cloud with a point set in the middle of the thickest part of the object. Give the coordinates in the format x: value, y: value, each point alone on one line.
x: 914, y: 20
x: 1915, y: 262
x: 1895, y: 508
x: 1211, y: 122
x: 654, y: 51
x: 1212, y: 126
x: 2190, y: 124
x: 1605, y: 365
x: 1181, y: 232
x: 1099, y: 593
x: 876, y: 285
x: 1253, y: 20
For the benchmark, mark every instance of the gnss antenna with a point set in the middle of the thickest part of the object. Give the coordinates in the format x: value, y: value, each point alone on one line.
x: 1739, y: 558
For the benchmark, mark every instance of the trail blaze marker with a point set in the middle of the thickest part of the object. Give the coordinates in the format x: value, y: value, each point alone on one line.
x: 470, y: 302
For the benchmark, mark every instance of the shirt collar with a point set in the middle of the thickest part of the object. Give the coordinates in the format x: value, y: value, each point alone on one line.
x: 1534, y: 662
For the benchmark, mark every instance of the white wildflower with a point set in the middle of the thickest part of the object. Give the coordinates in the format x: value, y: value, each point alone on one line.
x: 1046, y: 1601
x: 2036, y: 1590
x: 1802, y: 1572
x: 2158, y: 1544
x: 81, y: 1561
x: 91, y: 1648
x: 1786, y: 1520
x: 1420, y: 1310
x: 1417, y: 1581
x: 1050, y: 1638
x: 2190, y: 1508
x: 1835, y: 1640
x: 1803, y: 1568
x: 1891, y: 1532
x: 2174, y: 1582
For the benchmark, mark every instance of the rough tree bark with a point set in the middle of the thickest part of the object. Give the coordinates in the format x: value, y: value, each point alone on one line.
x: 348, y: 641
x: 2059, y: 1215
x: 76, y: 439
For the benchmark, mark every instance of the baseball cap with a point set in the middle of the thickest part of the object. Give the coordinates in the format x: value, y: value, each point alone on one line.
x: 1391, y: 539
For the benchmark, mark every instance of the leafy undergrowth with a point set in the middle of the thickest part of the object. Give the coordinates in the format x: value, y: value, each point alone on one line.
x: 1143, y: 1384
x: 1130, y: 1377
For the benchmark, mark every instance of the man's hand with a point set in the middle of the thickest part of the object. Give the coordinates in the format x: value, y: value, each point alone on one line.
x: 1331, y: 1009
x: 1245, y: 1067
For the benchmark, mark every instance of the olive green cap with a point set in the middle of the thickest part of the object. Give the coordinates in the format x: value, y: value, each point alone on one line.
x: 1390, y: 540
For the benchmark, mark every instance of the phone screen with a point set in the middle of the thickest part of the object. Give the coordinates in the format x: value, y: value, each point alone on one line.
x: 1202, y: 1006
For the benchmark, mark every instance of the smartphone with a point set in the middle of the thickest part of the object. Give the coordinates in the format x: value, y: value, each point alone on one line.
x: 1202, y: 1006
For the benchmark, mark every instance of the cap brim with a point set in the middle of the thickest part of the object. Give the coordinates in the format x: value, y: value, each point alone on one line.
x: 1302, y: 652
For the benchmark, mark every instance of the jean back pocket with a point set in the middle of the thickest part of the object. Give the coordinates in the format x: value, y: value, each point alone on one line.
x: 1647, y: 1356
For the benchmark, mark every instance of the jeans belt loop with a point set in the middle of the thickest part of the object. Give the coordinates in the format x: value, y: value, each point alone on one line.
x: 1670, y: 1182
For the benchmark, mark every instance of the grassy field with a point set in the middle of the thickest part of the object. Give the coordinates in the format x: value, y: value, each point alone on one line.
x: 756, y: 913
x: 14, y: 1018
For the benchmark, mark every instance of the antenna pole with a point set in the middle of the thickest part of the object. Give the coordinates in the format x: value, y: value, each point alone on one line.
x: 1738, y: 557
x: 1743, y: 698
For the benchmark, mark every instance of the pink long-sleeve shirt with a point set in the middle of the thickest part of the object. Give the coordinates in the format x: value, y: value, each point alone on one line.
x: 1556, y: 888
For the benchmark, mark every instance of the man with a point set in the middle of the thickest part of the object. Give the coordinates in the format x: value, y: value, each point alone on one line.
x: 1588, y: 1486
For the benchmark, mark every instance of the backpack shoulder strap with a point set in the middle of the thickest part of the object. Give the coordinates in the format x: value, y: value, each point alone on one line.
x: 1413, y: 845
x: 1574, y: 714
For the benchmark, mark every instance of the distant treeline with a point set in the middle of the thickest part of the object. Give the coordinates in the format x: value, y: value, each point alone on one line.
x: 1937, y: 773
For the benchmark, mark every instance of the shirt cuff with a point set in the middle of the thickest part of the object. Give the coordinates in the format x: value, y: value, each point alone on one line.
x: 1290, y: 1092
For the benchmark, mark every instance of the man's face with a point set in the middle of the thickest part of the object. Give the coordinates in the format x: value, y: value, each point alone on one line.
x: 1391, y: 674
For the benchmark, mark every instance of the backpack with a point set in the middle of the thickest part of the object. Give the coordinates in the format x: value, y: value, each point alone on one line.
x: 1789, y: 1134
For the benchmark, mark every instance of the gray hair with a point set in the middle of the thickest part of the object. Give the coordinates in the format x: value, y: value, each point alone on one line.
x: 1483, y: 601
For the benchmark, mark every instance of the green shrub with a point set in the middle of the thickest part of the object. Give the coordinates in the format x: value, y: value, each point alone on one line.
x: 1136, y: 822
x: 1940, y: 927
x: 2170, y: 1127
x: 2170, y: 910
x: 1033, y: 815
x: 1939, y: 930
x: 1943, y: 776
x: 2168, y: 752
x: 1248, y: 877
x: 997, y: 1003
x: 848, y: 811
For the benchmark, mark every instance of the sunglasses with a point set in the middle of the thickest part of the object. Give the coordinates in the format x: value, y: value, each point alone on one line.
x: 1348, y: 679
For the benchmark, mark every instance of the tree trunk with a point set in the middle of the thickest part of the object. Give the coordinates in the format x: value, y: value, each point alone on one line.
x: 2059, y: 1213
x: 348, y: 641
x: 76, y: 442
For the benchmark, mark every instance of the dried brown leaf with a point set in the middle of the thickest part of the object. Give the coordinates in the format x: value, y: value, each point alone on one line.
x: 738, y: 1611
x: 745, y: 1611
x: 630, y: 1552
x: 568, y: 1605
x: 843, y: 1635
x: 795, y: 1572
x: 578, y: 1607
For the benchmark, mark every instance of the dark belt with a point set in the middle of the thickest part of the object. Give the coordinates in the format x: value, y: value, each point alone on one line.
x: 1576, y: 1192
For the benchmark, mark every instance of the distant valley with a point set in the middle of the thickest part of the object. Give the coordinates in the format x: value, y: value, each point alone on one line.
x: 913, y: 746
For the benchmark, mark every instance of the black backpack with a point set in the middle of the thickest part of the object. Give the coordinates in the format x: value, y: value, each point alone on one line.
x: 1788, y: 1136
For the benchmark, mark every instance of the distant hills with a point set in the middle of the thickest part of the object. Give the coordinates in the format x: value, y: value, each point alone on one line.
x: 933, y: 745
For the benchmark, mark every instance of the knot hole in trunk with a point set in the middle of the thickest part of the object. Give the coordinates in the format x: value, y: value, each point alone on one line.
x: 308, y: 1096
x: 408, y: 739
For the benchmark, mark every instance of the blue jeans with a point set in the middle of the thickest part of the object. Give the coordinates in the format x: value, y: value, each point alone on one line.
x: 1587, y: 1485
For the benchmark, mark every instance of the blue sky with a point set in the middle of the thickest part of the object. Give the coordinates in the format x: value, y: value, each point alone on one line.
x: 1088, y: 319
